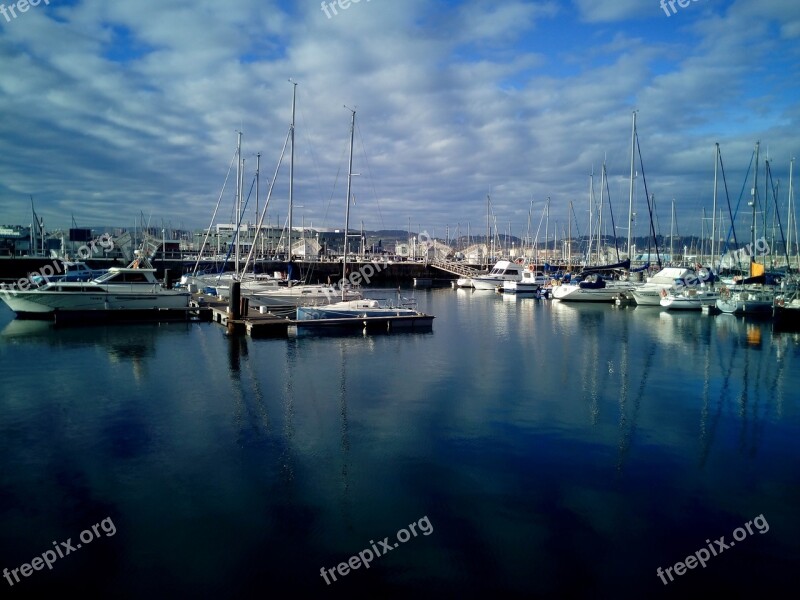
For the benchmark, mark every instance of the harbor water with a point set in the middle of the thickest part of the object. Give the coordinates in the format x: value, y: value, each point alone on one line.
x: 523, y: 448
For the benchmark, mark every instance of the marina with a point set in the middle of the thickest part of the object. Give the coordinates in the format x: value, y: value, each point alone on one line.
x: 399, y: 300
x: 579, y: 462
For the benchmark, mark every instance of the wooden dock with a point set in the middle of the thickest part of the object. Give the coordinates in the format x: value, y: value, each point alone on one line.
x: 279, y: 322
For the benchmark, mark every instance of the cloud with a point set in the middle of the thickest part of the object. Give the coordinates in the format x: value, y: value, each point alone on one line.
x: 116, y: 109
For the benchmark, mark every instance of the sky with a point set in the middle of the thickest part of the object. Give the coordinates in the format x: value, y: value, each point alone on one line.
x: 111, y: 111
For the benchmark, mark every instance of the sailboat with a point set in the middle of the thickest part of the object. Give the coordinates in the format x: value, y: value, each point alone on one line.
x: 270, y: 292
x: 350, y: 307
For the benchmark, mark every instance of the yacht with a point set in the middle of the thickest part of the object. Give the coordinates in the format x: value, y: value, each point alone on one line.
x: 649, y: 293
x: 502, y: 272
x: 131, y: 288
x: 531, y: 282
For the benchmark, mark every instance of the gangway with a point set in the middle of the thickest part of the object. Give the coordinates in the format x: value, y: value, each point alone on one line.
x: 456, y: 268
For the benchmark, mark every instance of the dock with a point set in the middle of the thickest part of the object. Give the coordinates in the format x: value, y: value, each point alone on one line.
x: 279, y: 321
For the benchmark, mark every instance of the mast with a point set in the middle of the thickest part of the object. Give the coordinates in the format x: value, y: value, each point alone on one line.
x: 789, y: 219
x: 238, y: 197
x: 488, y: 230
x: 672, y: 234
x: 546, y: 228
x: 291, y: 173
x: 258, y: 171
x: 600, y: 222
x: 347, y: 210
x: 569, y: 236
x: 591, y: 223
x: 714, y: 210
x: 754, y: 194
x: 630, y: 198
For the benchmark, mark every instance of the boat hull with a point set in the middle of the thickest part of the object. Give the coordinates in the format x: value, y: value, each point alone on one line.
x: 651, y: 297
x: 302, y: 295
x: 43, y: 305
x: 570, y: 292
x: 696, y: 302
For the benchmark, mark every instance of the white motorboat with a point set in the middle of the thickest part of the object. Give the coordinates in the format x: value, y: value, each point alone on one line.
x: 531, y: 282
x: 131, y: 288
x: 594, y: 288
x: 502, y: 272
x: 689, y: 298
x: 649, y: 293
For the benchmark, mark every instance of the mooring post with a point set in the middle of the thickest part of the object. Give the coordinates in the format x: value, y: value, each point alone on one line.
x: 234, y: 305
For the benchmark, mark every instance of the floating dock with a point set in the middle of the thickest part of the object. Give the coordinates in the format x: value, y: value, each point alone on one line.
x: 279, y: 321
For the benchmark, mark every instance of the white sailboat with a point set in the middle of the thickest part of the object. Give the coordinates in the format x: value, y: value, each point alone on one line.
x: 272, y: 293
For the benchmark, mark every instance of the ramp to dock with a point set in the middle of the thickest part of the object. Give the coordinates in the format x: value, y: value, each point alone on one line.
x: 456, y: 268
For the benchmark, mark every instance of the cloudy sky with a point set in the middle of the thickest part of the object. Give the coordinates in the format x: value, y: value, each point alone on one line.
x: 114, y: 109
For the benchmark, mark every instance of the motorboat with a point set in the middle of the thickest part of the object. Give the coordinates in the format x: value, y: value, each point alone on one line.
x: 131, y: 288
x: 531, y: 282
x: 502, y: 272
x: 649, y: 293
x: 464, y: 282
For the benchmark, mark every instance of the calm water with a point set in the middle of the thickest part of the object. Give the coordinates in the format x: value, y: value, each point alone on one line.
x: 556, y: 451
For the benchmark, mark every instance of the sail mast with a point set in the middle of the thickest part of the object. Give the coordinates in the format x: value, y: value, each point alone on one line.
x: 347, y: 203
x: 630, y: 198
x: 291, y: 175
x: 238, y: 197
x: 714, y: 210
x: 754, y: 193
x: 789, y: 219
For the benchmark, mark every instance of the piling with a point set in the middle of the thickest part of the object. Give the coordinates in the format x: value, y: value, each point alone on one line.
x: 234, y: 305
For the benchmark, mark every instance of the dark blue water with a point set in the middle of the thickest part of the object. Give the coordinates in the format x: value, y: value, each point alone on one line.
x: 540, y: 450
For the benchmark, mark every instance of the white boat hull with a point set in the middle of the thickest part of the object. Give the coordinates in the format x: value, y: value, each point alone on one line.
x: 303, y: 295
x: 647, y: 297
x: 43, y: 304
x: 691, y: 301
x: 572, y: 292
